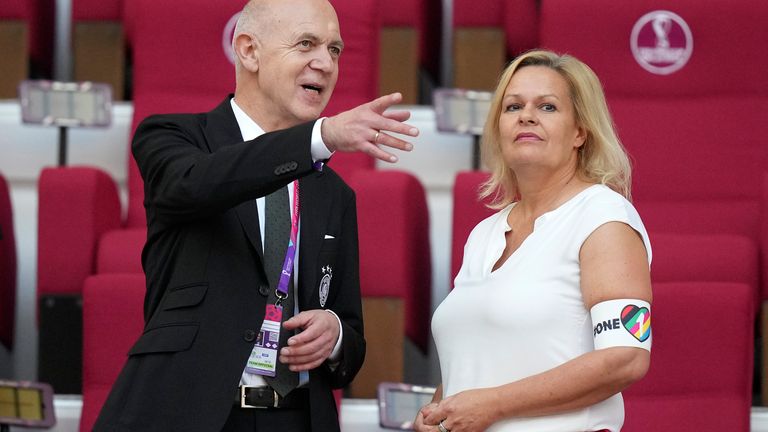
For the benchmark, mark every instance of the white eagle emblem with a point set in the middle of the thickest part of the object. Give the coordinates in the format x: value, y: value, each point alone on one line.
x: 325, y: 284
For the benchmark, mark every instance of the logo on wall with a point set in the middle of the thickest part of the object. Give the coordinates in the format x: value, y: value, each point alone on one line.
x: 226, y: 38
x: 661, y: 42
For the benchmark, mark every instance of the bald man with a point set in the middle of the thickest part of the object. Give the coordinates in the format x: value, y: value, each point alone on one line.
x: 241, y: 335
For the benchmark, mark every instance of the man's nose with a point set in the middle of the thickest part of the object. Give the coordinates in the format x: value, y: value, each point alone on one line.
x: 322, y: 60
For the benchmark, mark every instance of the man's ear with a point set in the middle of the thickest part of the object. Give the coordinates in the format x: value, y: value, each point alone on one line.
x: 246, y: 51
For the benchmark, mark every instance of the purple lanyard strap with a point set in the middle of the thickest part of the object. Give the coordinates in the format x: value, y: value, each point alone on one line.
x: 281, y: 291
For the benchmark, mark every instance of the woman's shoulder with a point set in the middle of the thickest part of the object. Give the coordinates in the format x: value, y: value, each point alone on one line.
x: 602, y: 205
x: 601, y: 198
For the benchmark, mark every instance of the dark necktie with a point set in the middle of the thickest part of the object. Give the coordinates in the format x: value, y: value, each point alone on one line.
x: 277, y: 232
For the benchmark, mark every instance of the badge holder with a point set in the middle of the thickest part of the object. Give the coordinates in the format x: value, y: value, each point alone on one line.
x: 464, y: 112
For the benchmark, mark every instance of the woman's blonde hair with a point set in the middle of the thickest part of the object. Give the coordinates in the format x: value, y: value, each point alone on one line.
x: 601, y: 159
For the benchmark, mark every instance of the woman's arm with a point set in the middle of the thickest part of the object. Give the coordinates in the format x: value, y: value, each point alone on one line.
x: 613, y: 265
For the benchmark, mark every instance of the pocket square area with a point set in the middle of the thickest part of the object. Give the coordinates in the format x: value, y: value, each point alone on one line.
x: 329, y: 237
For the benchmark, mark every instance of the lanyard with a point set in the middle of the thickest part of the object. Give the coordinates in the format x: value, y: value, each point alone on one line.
x: 281, y: 291
x: 264, y: 358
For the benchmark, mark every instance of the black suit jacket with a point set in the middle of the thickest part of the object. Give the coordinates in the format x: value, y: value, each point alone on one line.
x: 206, y: 285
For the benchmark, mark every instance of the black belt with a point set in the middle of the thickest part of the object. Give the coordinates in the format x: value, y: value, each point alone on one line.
x: 266, y: 397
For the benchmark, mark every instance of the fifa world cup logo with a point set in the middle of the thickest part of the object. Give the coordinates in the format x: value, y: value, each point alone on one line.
x: 662, y: 24
x: 661, y: 42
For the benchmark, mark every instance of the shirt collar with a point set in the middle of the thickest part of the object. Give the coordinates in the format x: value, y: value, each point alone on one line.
x: 248, y: 128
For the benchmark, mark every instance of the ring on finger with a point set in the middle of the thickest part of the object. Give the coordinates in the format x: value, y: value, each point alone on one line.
x: 441, y: 427
x: 376, y: 137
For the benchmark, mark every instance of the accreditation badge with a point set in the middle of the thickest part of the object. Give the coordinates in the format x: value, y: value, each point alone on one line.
x: 263, y: 358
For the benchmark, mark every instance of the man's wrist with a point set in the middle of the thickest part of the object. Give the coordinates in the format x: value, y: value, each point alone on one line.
x: 335, y: 356
x: 318, y: 149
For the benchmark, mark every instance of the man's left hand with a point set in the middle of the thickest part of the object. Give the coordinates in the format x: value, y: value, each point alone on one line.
x: 310, y: 347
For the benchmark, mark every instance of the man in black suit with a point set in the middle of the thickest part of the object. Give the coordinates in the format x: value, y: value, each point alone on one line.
x: 209, y: 260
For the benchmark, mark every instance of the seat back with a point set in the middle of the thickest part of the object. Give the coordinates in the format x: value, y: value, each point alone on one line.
x: 410, y: 46
x: 485, y: 34
x: 478, y: 49
x: 7, y: 267
x: 97, y: 10
x: 521, y: 26
x: 38, y: 18
x: 700, y: 376
x: 423, y: 16
x: 113, y: 319
x: 393, y: 230
x: 182, y: 63
x: 98, y: 32
x: 468, y: 211
x: 706, y: 258
x: 59, y: 190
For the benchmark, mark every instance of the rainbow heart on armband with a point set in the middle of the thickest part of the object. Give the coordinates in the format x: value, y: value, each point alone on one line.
x: 637, y: 321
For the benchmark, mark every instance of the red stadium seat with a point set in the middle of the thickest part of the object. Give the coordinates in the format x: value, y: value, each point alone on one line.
x: 485, y: 33
x: 7, y: 267
x: 98, y: 33
x: 79, y: 205
x: 700, y: 376
x: 113, y: 319
x: 468, y: 211
x: 26, y: 41
x: 669, y: 71
x: 76, y: 206
x: 410, y: 46
x: 395, y: 272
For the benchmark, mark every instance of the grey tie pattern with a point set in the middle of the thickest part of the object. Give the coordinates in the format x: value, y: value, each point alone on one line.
x: 277, y: 232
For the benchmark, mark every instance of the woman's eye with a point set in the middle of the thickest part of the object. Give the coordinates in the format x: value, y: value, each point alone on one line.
x: 549, y: 108
x: 513, y: 107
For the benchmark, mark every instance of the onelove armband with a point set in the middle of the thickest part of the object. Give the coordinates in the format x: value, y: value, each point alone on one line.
x: 622, y: 322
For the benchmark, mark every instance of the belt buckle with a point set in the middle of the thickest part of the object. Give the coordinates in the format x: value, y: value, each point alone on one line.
x: 245, y: 405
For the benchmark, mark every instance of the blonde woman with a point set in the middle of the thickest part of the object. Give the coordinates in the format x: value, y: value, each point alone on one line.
x: 549, y: 319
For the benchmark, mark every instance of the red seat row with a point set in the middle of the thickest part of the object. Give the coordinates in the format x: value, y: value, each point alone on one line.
x: 106, y: 29
x: 676, y: 75
x: 685, y: 85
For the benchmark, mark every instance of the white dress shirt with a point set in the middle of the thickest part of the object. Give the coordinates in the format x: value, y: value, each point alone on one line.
x: 250, y: 130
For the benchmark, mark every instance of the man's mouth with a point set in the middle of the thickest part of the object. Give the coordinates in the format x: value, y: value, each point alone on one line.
x: 311, y: 87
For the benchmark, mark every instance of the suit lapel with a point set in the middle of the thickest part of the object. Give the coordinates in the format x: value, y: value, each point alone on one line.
x: 313, y: 205
x: 221, y: 129
x: 248, y: 214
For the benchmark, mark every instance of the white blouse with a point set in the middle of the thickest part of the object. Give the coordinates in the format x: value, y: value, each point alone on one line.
x: 528, y: 316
